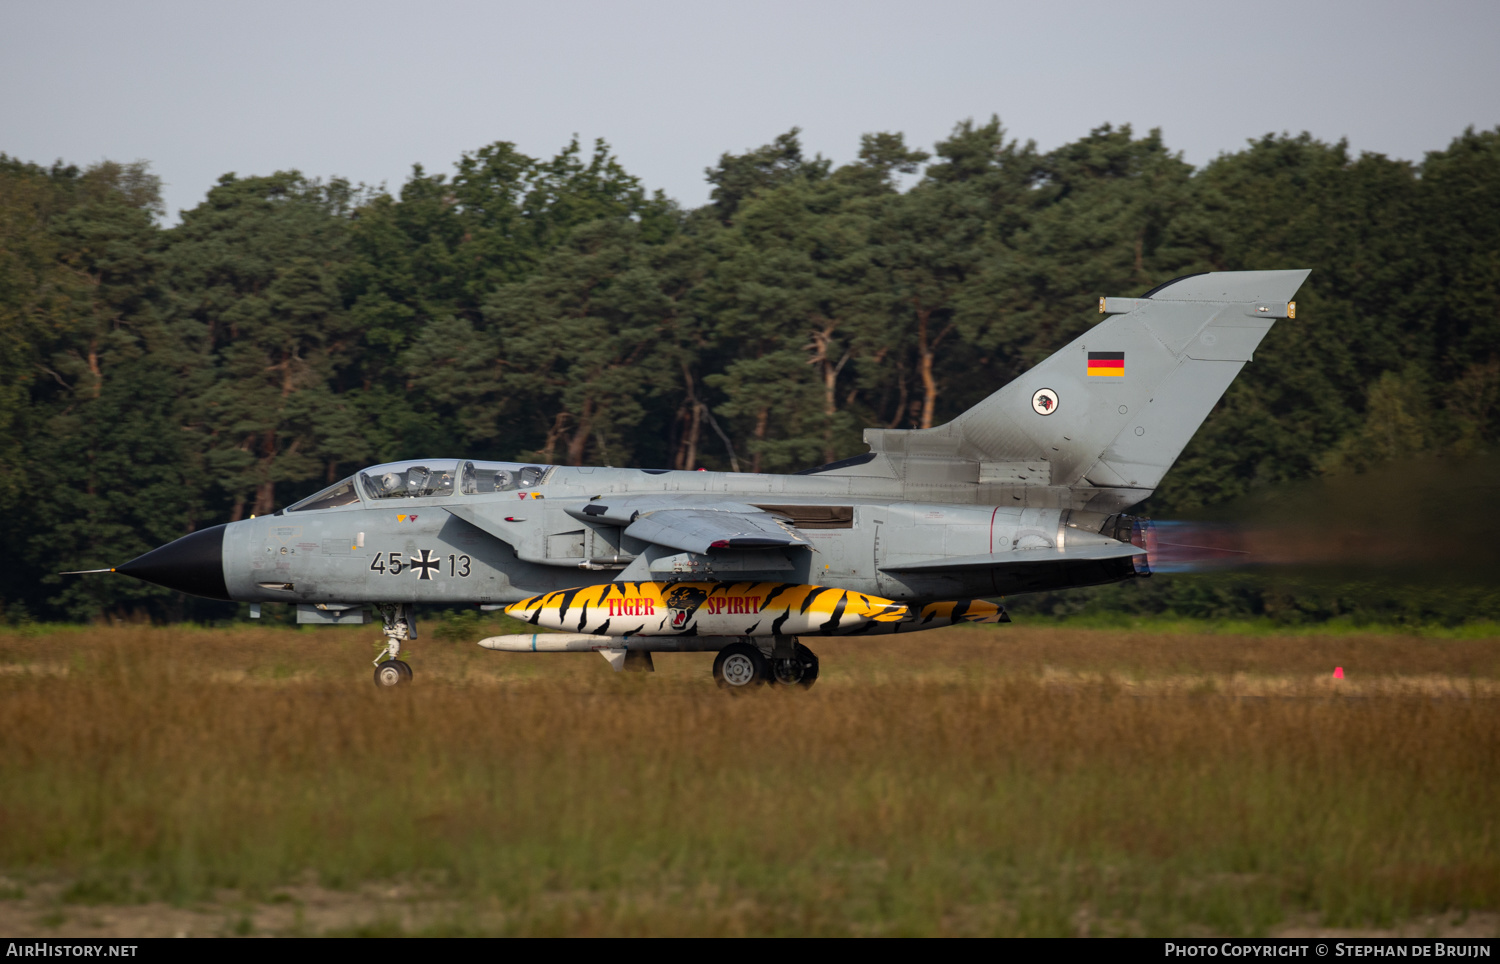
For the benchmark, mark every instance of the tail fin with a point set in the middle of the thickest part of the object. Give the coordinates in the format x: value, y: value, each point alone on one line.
x: 1108, y: 414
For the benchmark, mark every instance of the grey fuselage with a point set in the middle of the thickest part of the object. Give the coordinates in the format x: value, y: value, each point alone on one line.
x: 498, y: 548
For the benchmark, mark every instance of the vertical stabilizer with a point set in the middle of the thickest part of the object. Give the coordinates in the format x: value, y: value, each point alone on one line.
x: 1114, y: 408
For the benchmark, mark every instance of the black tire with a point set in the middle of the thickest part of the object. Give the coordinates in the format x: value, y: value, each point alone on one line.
x: 392, y: 673
x: 740, y: 667
x: 802, y: 670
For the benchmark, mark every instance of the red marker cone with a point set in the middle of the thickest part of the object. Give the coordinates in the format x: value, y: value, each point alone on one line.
x: 1338, y: 672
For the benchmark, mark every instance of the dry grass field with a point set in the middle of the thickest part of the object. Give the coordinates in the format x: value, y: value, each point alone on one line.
x: 996, y: 780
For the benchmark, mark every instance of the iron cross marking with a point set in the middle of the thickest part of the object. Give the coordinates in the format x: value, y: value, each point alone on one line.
x: 427, y: 564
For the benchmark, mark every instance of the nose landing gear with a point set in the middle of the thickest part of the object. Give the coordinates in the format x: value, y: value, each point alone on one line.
x: 400, y: 625
x: 392, y: 672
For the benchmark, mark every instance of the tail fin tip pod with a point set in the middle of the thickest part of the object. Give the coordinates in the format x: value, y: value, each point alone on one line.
x: 1107, y: 414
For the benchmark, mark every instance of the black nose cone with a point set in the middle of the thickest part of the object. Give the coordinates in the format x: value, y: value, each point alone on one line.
x: 193, y: 564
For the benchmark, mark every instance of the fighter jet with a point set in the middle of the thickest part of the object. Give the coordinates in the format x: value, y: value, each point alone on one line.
x: 1026, y: 491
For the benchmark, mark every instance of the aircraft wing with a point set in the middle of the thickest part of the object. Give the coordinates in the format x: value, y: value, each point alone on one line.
x: 722, y: 525
x: 693, y: 527
x: 1020, y: 557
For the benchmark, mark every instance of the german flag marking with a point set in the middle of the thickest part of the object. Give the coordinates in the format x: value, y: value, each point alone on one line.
x: 1107, y: 363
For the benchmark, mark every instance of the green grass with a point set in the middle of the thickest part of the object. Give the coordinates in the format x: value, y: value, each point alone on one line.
x: 1477, y: 629
x: 1004, y: 780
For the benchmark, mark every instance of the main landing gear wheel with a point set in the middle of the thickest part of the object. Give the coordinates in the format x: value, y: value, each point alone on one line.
x: 800, y: 670
x: 392, y: 672
x: 740, y: 667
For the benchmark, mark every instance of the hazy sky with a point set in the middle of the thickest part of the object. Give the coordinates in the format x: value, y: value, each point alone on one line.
x: 364, y: 90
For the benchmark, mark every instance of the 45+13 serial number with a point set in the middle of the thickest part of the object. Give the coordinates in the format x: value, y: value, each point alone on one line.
x: 425, y: 563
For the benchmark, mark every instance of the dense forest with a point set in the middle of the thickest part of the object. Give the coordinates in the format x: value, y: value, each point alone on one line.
x: 158, y: 379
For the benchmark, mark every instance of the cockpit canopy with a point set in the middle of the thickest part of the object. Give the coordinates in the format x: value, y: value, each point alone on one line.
x: 425, y: 479
x: 409, y: 480
x: 476, y: 478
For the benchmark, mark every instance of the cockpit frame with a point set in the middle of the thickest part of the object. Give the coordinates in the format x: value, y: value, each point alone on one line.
x: 426, y: 480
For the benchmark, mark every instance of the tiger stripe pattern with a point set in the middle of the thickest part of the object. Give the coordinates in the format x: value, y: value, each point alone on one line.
x: 708, y: 609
